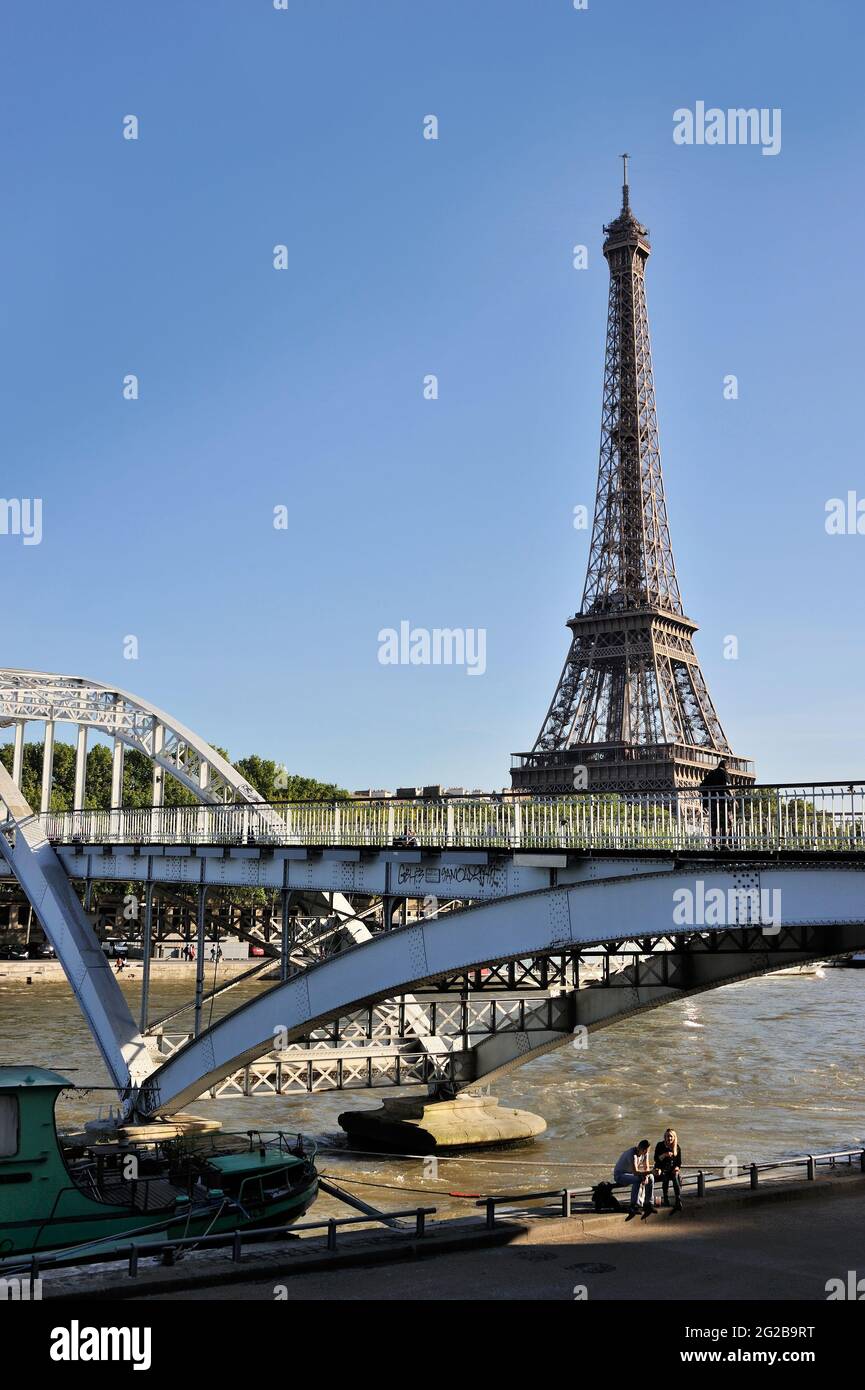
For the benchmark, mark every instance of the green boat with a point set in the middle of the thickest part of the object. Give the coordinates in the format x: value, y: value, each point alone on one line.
x: 142, y: 1188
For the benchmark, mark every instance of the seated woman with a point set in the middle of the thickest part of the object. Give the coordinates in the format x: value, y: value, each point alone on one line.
x: 668, y: 1161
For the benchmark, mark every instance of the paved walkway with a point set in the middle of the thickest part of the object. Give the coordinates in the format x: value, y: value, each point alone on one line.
x: 771, y: 1250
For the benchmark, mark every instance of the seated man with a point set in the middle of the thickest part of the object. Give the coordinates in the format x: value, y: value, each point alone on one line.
x: 633, y: 1166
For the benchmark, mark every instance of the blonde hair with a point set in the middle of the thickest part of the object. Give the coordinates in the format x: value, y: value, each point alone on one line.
x: 674, y: 1140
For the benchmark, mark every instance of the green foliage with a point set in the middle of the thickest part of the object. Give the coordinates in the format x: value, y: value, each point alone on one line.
x: 268, y: 778
x: 275, y: 784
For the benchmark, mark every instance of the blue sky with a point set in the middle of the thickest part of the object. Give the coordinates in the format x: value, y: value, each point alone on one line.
x: 407, y: 257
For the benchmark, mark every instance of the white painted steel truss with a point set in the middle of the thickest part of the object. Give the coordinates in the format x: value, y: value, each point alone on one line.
x: 828, y: 899
x: 39, y: 696
x: 373, y: 1047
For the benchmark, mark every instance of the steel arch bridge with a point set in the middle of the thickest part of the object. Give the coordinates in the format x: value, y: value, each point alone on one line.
x: 171, y: 747
x: 553, y: 923
x: 460, y: 996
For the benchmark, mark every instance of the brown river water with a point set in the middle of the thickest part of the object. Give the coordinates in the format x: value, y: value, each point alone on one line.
x: 759, y: 1070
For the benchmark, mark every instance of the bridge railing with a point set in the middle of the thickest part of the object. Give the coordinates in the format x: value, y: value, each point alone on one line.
x: 816, y: 817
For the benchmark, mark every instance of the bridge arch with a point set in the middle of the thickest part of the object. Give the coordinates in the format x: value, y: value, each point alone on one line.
x: 825, y: 903
x: 50, y: 698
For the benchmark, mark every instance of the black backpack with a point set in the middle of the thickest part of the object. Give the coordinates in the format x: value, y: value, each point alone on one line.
x: 604, y: 1199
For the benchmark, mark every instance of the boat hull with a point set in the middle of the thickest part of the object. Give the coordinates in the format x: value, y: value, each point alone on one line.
x: 84, y: 1222
x: 142, y: 1189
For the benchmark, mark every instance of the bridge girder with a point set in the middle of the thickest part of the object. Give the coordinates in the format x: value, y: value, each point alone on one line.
x: 488, y: 1032
x: 829, y: 900
x: 680, y: 973
x: 475, y: 876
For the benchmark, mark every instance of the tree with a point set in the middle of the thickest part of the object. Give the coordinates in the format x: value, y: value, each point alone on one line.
x: 272, y: 781
x: 268, y: 777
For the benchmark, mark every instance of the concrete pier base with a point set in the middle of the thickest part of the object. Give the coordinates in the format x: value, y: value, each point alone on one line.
x: 421, y: 1125
x: 155, y: 1131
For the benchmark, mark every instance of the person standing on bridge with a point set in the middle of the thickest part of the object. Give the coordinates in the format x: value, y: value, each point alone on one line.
x: 715, y: 802
x: 633, y: 1166
x: 668, y: 1162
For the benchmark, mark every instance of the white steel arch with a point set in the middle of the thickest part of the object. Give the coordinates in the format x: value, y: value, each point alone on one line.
x: 41, y: 696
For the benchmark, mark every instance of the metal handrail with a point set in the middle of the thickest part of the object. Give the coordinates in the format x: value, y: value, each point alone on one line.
x: 235, y: 1240
x: 747, y: 1173
x: 803, y: 817
x: 508, y: 795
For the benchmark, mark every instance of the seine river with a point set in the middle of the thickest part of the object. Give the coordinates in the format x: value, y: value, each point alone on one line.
x: 757, y: 1070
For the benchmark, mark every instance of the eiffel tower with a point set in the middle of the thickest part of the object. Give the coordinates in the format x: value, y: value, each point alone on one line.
x: 631, y: 711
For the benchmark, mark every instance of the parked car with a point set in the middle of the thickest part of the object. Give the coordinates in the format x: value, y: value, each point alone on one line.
x: 11, y: 953
x: 113, y: 949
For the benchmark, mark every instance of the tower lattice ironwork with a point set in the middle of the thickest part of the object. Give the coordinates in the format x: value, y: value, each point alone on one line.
x: 631, y: 709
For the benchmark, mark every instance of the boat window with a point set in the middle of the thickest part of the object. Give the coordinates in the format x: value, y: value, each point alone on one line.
x: 8, y: 1126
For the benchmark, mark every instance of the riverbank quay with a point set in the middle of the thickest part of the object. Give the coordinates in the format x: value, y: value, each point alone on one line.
x: 198, y: 1271
x: 785, y: 1241
x: 47, y: 971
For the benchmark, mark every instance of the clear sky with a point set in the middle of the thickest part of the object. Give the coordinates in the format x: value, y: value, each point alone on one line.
x: 407, y: 257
